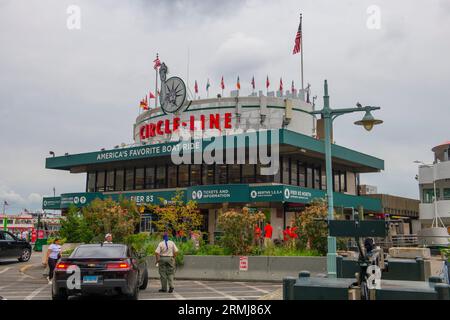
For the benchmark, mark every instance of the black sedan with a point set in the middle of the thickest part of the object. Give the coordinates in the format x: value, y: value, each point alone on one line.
x: 13, y: 248
x: 104, y: 269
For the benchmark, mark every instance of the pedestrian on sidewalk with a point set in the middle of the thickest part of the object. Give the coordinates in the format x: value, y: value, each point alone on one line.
x: 166, y: 253
x: 268, y: 230
x: 53, y: 255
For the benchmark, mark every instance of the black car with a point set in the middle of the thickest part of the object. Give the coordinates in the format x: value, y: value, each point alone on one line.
x: 100, y: 269
x: 11, y: 247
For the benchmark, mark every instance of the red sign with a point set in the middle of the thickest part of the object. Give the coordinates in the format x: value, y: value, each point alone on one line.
x: 33, y: 236
x: 243, y: 263
x: 162, y: 127
x: 40, y: 234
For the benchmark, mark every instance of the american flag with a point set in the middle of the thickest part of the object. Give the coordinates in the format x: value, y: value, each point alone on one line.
x: 267, y: 83
x: 298, y: 38
x: 222, y: 84
x: 281, y: 84
x: 253, y: 83
x: 157, y: 62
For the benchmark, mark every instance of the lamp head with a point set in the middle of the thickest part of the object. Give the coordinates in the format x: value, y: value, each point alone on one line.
x: 368, y: 121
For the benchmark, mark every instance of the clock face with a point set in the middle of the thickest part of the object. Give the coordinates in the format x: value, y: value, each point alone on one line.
x: 173, y: 95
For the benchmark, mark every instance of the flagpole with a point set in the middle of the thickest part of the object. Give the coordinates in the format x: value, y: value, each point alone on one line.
x: 301, y: 49
x: 156, y: 86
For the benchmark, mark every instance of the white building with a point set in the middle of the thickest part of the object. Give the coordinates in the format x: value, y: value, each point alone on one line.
x: 434, y: 184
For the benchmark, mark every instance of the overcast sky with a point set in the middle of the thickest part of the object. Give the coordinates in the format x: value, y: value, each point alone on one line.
x: 78, y: 90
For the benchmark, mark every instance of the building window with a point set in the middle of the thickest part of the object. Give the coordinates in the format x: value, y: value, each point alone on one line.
x: 294, y: 172
x: 183, y: 175
x: 309, y: 177
x: 91, y: 182
x: 286, y: 171
x: 196, y: 174
x: 343, y: 182
x: 260, y: 178
x: 248, y: 173
x: 129, y: 179
x: 428, y: 195
x: 221, y: 174
x: 208, y: 174
x: 150, y: 177
x: 172, y: 176
x: 323, y: 175
x: 100, y: 185
x: 302, y: 175
x: 161, y: 181
x: 120, y: 179
x: 317, y: 178
x: 234, y: 173
x: 139, y: 180
x: 110, y: 180
x: 446, y: 193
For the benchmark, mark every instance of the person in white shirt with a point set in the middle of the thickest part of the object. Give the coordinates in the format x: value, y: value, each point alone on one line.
x: 25, y: 235
x: 53, y: 255
x: 108, y: 238
x: 166, y: 253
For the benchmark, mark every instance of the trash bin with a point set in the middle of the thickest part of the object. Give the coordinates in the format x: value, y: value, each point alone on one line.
x: 39, y: 243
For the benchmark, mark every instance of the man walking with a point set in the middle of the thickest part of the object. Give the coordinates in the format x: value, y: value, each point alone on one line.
x: 166, y: 253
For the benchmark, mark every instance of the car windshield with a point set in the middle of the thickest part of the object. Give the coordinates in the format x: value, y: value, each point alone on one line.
x: 99, y: 252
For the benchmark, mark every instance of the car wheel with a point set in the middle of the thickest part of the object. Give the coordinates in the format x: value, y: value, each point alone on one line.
x: 25, y: 256
x: 60, y: 296
x: 134, y: 295
x: 145, y: 281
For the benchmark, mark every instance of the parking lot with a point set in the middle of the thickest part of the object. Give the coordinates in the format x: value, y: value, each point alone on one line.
x: 25, y: 281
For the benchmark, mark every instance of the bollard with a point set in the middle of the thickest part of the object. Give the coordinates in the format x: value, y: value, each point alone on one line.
x: 443, y: 291
x: 421, y: 266
x: 288, y: 288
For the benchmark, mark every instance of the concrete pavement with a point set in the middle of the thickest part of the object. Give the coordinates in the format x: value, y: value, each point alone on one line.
x: 25, y: 281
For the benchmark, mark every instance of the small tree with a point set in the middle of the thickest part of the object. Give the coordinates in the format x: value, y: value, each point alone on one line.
x: 238, y: 230
x: 177, y: 216
x: 312, y: 233
x: 108, y: 216
x: 74, y: 227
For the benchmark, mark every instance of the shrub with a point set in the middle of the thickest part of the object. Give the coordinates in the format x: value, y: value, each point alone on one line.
x: 238, y: 230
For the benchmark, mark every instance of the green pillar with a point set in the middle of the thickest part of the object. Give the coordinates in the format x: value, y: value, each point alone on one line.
x: 331, y: 255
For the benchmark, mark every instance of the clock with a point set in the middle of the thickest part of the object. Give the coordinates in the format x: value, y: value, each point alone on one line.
x: 173, y: 94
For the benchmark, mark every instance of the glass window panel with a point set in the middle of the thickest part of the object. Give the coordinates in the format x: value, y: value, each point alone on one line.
x: 120, y: 178
x: 234, y: 174
x: 248, y: 173
x: 110, y: 180
x: 208, y: 174
x: 317, y: 178
x: 286, y: 171
x: 447, y: 194
x: 294, y: 172
x: 161, y: 177
x: 221, y: 174
x: 100, y: 181
x: 139, y: 179
x: 149, y: 177
x: 129, y: 179
x: 342, y: 181
x: 196, y: 174
x: 183, y: 175
x: 172, y: 176
x: 324, y: 179
x: 309, y: 177
x: 91, y: 182
x: 260, y: 178
x: 301, y: 176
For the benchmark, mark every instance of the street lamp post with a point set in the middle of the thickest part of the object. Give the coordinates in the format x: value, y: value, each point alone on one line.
x: 329, y: 114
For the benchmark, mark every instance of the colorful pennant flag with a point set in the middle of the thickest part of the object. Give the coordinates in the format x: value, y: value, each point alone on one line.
x: 267, y: 83
x: 222, y: 84
x: 281, y: 85
x: 157, y: 62
x: 238, y: 84
x: 196, y: 87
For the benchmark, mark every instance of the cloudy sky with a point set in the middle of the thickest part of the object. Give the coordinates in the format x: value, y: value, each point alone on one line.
x: 78, y: 90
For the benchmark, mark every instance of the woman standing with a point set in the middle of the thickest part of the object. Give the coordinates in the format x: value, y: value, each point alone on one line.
x: 53, y: 255
x: 166, y: 253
